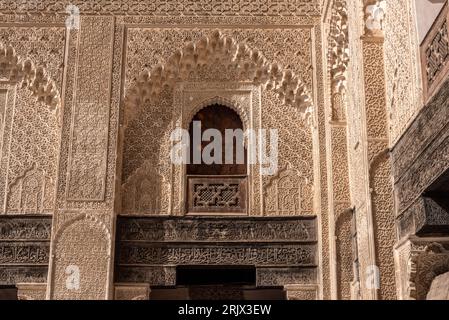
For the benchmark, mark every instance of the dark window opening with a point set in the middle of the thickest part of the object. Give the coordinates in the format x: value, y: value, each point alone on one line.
x: 436, y: 202
x: 220, y: 118
x: 215, y: 275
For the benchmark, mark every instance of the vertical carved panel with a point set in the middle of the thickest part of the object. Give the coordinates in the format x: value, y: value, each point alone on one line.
x: 81, y: 241
x: 340, y: 206
x: 5, y: 133
x: 3, y: 101
x: 381, y: 225
x: 435, y: 54
x: 403, y: 76
x: 89, y: 142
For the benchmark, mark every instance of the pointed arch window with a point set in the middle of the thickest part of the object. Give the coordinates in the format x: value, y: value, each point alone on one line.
x: 217, y: 172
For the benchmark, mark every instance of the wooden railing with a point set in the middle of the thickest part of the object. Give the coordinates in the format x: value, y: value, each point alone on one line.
x: 435, y: 54
x: 216, y: 194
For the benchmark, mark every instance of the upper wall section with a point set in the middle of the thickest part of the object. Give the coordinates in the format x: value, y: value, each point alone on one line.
x: 169, y: 7
x: 146, y: 138
x: 402, y: 66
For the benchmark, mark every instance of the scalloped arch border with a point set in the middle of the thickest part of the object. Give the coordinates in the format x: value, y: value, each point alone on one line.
x: 233, y: 105
x: 28, y: 75
x: 251, y: 64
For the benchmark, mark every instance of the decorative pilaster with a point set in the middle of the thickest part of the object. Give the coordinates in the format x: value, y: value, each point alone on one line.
x: 81, y: 263
x: 340, y: 217
x: 379, y: 276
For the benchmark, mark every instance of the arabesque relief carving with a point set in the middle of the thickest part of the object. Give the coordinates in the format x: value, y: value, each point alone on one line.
x: 33, y: 192
x: 284, y: 193
x: 28, y: 75
x: 87, y: 112
x: 251, y: 65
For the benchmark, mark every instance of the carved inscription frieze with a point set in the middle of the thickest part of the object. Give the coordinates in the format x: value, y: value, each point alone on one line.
x: 24, y: 249
x: 156, y: 276
x: 11, y: 275
x: 243, y: 254
x: 217, y: 229
x: 24, y: 229
x: 284, y: 250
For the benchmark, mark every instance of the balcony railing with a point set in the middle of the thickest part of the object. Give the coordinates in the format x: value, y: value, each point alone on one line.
x: 216, y: 194
x: 435, y: 54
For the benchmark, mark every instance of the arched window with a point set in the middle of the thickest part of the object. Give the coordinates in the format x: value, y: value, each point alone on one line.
x: 217, y: 172
x: 222, y: 119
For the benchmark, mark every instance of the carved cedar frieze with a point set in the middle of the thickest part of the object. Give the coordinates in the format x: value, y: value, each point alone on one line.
x: 24, y: 249
x: 283, y: 250
x: 11, y: 275
x: 221, y: 229
x: 25, y: 229
x: 244, y: 254
x: 154, y: 275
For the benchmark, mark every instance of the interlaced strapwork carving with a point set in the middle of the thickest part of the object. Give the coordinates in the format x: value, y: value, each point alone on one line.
x: 217, y: 194
x: 437, y: 54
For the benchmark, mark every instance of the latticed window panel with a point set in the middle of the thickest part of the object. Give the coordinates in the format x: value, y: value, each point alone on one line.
x: 216, y: 194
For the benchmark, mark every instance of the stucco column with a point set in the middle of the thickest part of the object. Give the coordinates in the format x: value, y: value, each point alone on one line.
x: 378, y: 231
x: 82, y: 242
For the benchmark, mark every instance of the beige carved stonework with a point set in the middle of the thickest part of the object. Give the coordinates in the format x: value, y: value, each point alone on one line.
x: 420, y: 261
x: 132, y: 291
x: 92, y: 206
x: 31, y: 291
x: 28, y: 75
x: 300, y: 292
x: 81, y: 257
x: 249, y: 64
x: 285, y: 192
x: 402, y: 72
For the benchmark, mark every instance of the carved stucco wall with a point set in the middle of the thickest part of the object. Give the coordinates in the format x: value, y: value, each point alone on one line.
x: 358, y: 166
x: 155, y: 122
x: 338, y: 59
x: 92, y: 61
x: 370, y: 167
x: 89, y: 124
x: 402, y: 66
x: 29, y: 127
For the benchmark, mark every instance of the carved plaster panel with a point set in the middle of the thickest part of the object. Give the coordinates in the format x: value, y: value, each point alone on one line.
x: 166, y: 7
